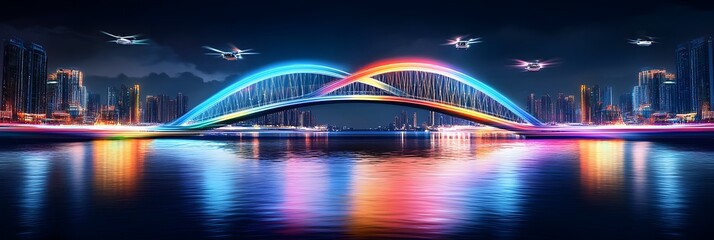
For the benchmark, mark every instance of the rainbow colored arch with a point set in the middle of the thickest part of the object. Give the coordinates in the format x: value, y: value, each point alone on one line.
x: 218, y: 110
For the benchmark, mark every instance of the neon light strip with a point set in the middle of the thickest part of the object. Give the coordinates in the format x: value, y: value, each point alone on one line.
x: 450, y: 109
x: 364, y: 76
x: 424, y: 65
x: 271, y: 73
x: 255, y: 78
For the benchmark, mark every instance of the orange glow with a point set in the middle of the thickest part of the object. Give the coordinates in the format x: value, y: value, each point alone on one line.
x: 601, y: 168
x: 118, y: 166
x: 399, y: 195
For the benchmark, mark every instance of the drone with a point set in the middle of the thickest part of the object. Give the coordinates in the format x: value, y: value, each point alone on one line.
x: 232, y: 55
x: 127, y: 40
x: 642, y: 42
x: 533, y: 66
x: 463, y: 44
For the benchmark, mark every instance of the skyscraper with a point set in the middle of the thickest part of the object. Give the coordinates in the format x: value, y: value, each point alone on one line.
x: 162, y: 108
x: 546, y: 108
x: 83, y: 97
x: 111, y: 113
x: 653, y: 79
x: 306, y: 119
x: 685, y: 87
x: 112, y: 96
x: 94, y: 107
x: 24, y: 83
x: 124, y: 104
x: 151, y: 109
x: 414, y: 122
x: 54, y: 98
x: 13, y: 72
x: 626, y: 103
x: 608, y: 97
x: 668, y: 95
x: 171, y: 111
x: 560, y: 108
x: 695, y: 75
x: 94, y: 103
x: 35, y: 79
x: 401, y: 120
x: 595, y: 103
x: 432, y: 118
x: 585, y: 105
x: 531, y: 104
x: 134, y: 105
x: 640, y: 97
x: 69, y: 88
x: 181, y: 104
x: 570, y: 113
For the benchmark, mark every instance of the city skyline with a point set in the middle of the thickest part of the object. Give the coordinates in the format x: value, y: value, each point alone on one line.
x: 356, y: 119
x: 656, y: 92
x: 29, y: 93
x: 592, y: 49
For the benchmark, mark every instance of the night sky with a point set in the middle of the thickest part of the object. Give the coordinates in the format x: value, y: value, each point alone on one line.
x: 588, y: 38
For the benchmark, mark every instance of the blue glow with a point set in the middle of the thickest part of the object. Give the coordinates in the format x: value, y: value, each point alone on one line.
x: 34, y: 192
x: 257, y: 77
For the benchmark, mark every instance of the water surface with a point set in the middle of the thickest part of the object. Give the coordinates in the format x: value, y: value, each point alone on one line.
x: 399, y: 186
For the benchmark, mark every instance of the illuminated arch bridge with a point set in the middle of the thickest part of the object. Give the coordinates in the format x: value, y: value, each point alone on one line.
x: 414, y: 82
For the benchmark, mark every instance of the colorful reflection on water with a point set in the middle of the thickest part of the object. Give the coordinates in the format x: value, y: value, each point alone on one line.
x: 118, y: 166
x: 406, y: 185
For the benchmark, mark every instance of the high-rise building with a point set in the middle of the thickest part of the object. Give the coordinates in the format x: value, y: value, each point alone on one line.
x: 625, y: 103
x: 685, y: 87
x: 595, y: 103
x: 84, y: 97
x: 163, y: 108
x: 608, y: 97
x: 640, y: 98
x: 181, y: 104
x: 24, y: 83
x: 13, y: 74
x: 292, y: 117
x: 695, y: 77
x: 531, y: 104
x: 404, y: 120
x: 69, y: 90
x: 94, y: 104
x: 134, y: 105
x: 151, y: 109
x: 546, y: 108
x: 111, y: 112
x: 537, y: 111
x: 559, y: 109
x: 172, y: 110
x: 585, y: 104
x: 415, y: 124
x: 36, y: 79
x: 652, y: 78
x: 668, y: 95
x: 112, y: 98
x: 570, y: 110
x: 94, y: 107
x: 54, y: 98
x: 306, y: 119
x: 432, y: 118
x: 123, y: 104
